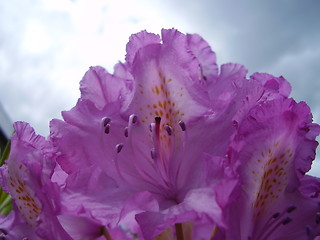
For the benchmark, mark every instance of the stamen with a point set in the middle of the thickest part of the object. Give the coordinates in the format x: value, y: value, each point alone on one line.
x: 168, y: 129
x: 287, y: 220
x: 182, y: 125
x: 105, y: 121
x: 133, y: 118
x: 317, y: 217
x: 184, y: 138
x: 276, y: 215
x: 308, y: 230
x: 107, y: 128
x: 119, y: 147
x: 274, y: 222
x: 126, y: 133
x: 291, y: 208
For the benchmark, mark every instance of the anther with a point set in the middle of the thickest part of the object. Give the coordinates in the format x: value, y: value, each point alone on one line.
x: 291, y: 208
x: 105, y: 121
x: 317, y: 217
x: 133, y: 118
x: 276, y: 215
x: 126, y: 134
x: 308, y: 230
x: 286, y: 221
x: 107, y: 128
x: 168, y: 129
x: 182, y: 125
x: 119, y: 147
x: 3, y: 232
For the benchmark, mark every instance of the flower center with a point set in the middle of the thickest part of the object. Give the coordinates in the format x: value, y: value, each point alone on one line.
x: 145, y: 159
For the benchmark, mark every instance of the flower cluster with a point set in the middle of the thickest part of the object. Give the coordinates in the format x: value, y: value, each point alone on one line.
x: 168, y: 147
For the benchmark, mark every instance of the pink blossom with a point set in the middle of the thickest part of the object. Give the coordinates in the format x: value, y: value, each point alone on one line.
x: 26, y: 176
x: 169, y: 146
x: 272, y: 150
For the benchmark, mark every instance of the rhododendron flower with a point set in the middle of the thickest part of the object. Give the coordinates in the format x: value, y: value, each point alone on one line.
x: 144, y: 133
x: 272, y: 150
x: 168, y: 147
x: 148, y: 128
x: 27, y: 178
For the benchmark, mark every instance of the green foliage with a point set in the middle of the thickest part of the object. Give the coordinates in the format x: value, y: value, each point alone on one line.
x: 5, y: 198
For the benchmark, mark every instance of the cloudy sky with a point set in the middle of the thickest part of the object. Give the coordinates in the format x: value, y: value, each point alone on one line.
x: 46, y: 46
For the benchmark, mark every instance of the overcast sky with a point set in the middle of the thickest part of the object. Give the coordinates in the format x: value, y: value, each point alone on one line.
x: 46, y: 46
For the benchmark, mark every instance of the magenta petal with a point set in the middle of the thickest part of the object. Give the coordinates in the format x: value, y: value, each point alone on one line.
x: 140, y: 202
x: 13, y: 227
x: 71, y: 136
x: 274, y: 148
x: 199, y: 205
x: 208, y: 69
x: 310, y: 187
x: 138, y: 41
x: 100, y: 87
x: 275, y: 84
x: 28, y: 180
x: 80, y: 228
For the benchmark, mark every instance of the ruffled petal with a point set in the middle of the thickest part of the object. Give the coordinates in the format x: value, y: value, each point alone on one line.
x: 29, y: 168
x: 138, y: 41
x: 273, y: 84
x: 100, y: 87
x: 267, y: 147
x: 208, y: 68
x: 71, y: 136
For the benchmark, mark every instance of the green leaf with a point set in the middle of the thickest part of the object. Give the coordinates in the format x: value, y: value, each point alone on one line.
x: 6, y: 153
x: 5, y: 198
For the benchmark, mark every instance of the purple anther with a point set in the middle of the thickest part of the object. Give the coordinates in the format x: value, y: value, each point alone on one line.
x: 276, y: 215
x: 308, y: 230
x: 286, y: 220
x: 182, y: 125
x: 168, y: 129
x: 317, y: 217
x: 119, y: 147
x: 105, y: 121
x: 291, y: 208
x: 133, y: 118
x: 107, y: 129
x: 126, y: 134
